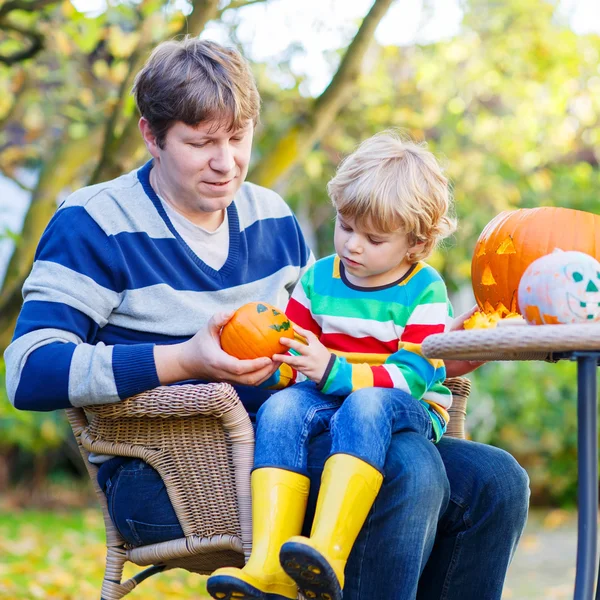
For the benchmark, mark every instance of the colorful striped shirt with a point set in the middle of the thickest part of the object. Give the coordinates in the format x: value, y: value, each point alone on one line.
x: 376, y: 333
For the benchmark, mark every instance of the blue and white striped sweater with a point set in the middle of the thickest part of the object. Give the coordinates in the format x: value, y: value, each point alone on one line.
x: 112, y: 277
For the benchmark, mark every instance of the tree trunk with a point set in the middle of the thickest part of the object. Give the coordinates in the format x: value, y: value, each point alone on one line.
x: 63, y: 169
x: 60, y: 171
x: 308, y: 129
x: 121, y: 153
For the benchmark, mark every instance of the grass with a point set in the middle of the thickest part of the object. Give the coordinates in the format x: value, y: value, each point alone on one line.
x: 59, y: 555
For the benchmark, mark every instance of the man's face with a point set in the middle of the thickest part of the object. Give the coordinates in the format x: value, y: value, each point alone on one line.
x: 201, y: 168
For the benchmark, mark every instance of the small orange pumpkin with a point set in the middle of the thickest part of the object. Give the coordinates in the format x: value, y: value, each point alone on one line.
x: 514, y: 239
x: 254, y: 331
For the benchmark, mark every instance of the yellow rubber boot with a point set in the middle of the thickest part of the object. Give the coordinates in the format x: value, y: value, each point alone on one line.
x: 278, y: 506
x: 349, y: 487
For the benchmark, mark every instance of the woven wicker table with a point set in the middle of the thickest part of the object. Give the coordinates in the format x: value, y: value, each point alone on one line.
x: 549, y: 342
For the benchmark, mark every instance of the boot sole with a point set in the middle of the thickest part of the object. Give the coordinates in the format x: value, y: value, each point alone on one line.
x: 310, y: 570
x: 225, y: 587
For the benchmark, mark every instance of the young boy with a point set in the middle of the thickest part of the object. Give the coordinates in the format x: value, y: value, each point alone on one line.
x: 364, y: 312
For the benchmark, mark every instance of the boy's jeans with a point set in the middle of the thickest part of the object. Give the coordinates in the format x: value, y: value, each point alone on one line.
x: 471, y: 499
x: 361, y: 425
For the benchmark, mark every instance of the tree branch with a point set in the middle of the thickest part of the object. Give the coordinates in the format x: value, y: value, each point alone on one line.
x: 134, y: 63
x: 36, y: 43
x: 235, y: 4
x: 12, y: 178
x: 22, y: 82
x: 349, y: 70
x: 61, y: 170
x: 301, y: 136
x: 119, y: 150
x: 203, y: 11
x: 8, y: 7
x: 34, y: 38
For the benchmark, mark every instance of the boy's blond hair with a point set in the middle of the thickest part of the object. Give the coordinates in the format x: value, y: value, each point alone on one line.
x: 193, y: 80
x: 390, y: 183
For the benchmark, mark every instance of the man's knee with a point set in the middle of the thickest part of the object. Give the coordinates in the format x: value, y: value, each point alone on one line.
x: 414, y: 469
x: 488, y: 480
x: 505, y: 484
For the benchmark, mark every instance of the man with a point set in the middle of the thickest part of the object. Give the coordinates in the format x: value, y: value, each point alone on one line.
x: 127, y: 292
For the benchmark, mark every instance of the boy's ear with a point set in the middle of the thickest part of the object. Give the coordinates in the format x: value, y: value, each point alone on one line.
x: 416, y: 248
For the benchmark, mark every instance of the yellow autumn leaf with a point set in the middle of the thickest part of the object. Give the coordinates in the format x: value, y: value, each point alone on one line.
x: 122, y: 43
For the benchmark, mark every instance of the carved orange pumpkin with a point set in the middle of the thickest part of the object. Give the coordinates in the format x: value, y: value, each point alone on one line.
x: 254, y: 331
x: 514, y: 239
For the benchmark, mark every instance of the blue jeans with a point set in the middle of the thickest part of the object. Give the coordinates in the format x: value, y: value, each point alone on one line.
x: 138, y: 503
x: 361, y: 425
x: 444, y: 526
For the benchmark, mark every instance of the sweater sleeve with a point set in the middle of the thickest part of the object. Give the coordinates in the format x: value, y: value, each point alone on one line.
x: 406, y: 369
x: 75, y: 284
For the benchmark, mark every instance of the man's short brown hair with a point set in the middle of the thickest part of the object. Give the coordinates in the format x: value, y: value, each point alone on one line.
x: 194, y: 80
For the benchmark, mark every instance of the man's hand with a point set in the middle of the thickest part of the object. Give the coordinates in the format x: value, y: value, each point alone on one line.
x: 458, y: 368
x: 202, y: 357
x: 313, y: 356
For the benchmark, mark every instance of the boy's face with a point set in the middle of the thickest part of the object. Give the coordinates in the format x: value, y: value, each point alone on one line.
x: 372, y: 259
x: 200, y: 169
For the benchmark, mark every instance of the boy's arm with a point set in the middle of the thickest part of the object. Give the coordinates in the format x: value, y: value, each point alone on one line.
x: 282, y: 378
x: 299, y: 308
x: 298, y: 311
x: 406, y: 369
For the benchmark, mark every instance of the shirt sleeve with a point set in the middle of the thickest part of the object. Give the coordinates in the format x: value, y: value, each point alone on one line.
x: 282, y: 378
x: 406, y: 369
x: 75, y: 284
x: 298, y: 311
x: 307, y: 258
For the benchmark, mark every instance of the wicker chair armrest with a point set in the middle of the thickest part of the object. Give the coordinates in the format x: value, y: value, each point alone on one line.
x: 202, y: 445
x: 459, y: 386
x: 187, y: 400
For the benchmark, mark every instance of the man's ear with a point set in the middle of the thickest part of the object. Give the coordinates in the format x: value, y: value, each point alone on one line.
x: 148, y: 137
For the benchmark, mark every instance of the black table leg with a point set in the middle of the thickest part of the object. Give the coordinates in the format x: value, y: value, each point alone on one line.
x: 587, y: 480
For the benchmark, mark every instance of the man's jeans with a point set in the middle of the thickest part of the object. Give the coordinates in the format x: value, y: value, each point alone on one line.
x: 361, y: 425
x: 450, y: 513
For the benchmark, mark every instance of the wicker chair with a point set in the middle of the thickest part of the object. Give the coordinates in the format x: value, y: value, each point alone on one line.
x: 200, y: 440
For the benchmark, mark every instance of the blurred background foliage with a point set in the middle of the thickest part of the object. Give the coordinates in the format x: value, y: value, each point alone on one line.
x: 511, y: 104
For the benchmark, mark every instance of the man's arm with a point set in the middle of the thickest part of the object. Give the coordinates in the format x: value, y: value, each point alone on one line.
x: 72, y: 289
x: 202, y: 358
x: 76, y: 282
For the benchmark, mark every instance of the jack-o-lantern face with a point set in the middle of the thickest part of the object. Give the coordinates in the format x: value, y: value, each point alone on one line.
x: 562, y: 287
x: 254, y: 330
x: 583, y: 300
x: 514, y: 239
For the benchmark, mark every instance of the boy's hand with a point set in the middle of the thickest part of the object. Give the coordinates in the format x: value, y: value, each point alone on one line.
x: 458, y: 368
x: 312, y: 359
